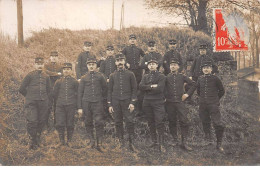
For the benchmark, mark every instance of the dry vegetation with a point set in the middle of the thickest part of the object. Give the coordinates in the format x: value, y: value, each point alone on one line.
x: 241, y: 140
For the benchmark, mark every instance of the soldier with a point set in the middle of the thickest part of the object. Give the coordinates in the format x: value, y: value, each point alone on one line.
x: 133, y: 55
x: 153, y: 85
x: 121, y: 98
x: 36, y: 89
x: 108, y: 66
x: 81, y: 67
x: 151, y: 55
x: 172, y: 53
x: 65, y: 95
x: 175, y: 107
x: 210, y: 90
x: 54, y: 70
x: 92, y: 90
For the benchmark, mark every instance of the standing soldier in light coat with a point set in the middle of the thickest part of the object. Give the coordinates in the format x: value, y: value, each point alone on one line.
x: 54, y: 70
x: 65, y: 95
x: 81, y: 66
x: 210, y: 90
x: 175, y: 107
x: 153, y: 85
x: 36, y: 89
x: 92, y: 90
x: 122, y: 89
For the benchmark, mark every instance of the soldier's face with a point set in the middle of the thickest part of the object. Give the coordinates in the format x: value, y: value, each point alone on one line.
x: 110, y: 52
x: 67, y: 71
x: 174, y: 67
x: 38, y: 66
x: 203, y: 51
x: 53, y: 59
x: 92, y: 67
x: 172, y: 46
x: 207, y: 70
x: 151, y: 48
x: 132, y: 41
x: 120, y: 63
x: 152, y: 66
x: 86, y: 48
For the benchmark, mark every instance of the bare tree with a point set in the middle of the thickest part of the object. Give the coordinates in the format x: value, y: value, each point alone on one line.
x: 20, y: 22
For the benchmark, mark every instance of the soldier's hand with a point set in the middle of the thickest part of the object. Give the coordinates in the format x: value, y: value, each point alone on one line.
x: 107, y: 80
x: 110, y: 109
x: 190, y: 78
x: 78, y: 80
x: 184, y: 97
x: 131, y: 108
x: 59, y: 73
x: 80, y: 112
x: 128, y: 65
x: 154, y: 85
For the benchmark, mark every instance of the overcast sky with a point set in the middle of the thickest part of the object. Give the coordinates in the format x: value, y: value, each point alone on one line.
x: 78, y: 14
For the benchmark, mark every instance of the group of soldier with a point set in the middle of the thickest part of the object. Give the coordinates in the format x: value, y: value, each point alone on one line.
x: 123, y: 85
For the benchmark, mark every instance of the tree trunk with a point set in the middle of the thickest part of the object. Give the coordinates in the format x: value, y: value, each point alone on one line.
x: 202, y: 18
x: 20, y: 22
x: 257, y: 50
x: 192, y: 16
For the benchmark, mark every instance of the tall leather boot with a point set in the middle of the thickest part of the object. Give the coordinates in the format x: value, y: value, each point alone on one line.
x: 174, y: 133
x: 184, y: 134
x: 33, y: 144
x: 130, y: 143
x: 219, y: 134
x: 99, y: 144
x: 61, y: 136
x: 70, y: 131
x: 32, y: 131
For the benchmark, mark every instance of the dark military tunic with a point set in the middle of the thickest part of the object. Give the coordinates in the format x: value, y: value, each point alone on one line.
x: 151, y: 56
x: 122, y: 90
x: 175, y: 108
x: 65, y: 94
x: 210, y: 89
x: 52, y: 69
x: 133, y: 56
x: 168, y: 57
x: 36, y: 89
x: 108, y: 66
x: 153, y: 103
x: 81, y: 67
x: 92, y: 90
x: 196, y: 68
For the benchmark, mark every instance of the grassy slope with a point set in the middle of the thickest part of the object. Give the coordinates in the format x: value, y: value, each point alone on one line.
x: 240, y: 139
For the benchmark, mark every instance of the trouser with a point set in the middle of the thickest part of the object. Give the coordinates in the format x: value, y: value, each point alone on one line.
x: 94, y: 118
x: 122, y: 113
x: 36, y: 115
x: 177, y: 111
x: 155, y: 113
x: 208, y: 113
x: 138, y: 75
x: 65, y: 115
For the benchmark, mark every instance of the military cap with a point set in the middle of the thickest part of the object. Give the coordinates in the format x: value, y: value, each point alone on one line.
x: 203, y: 46
x: 91, y: 60
x: 120, y: 56
x: 151, y: 43
x: 172, y: 41
x: 206, y: 63
x: 39, y: 60
x: 132, y: 36
x: 87, y: 43
x: 175, y: 60
x: 154, y: 61
x: 110, y: 47
x: 54, y: 53
x: 67, y: 65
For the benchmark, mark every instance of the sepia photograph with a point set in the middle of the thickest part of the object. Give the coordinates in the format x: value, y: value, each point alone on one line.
x: 129, y: 83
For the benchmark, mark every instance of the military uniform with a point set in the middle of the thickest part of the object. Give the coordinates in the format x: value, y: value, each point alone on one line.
x: 65, y: 95
x: 210, y: 90
x: 153, y: 103
x: 36, y: 89
x: 133, y: 56
x: 169, y: 55
x: 122, y: 88
x: 81, y: 66
x: 54, y: 70
x: 108, y: 66
x: 175, y: 107
x: 92, y: 90
x: 151, y: 56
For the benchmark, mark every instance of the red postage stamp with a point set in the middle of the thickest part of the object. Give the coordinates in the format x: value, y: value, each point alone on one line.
x: 230, y: 32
